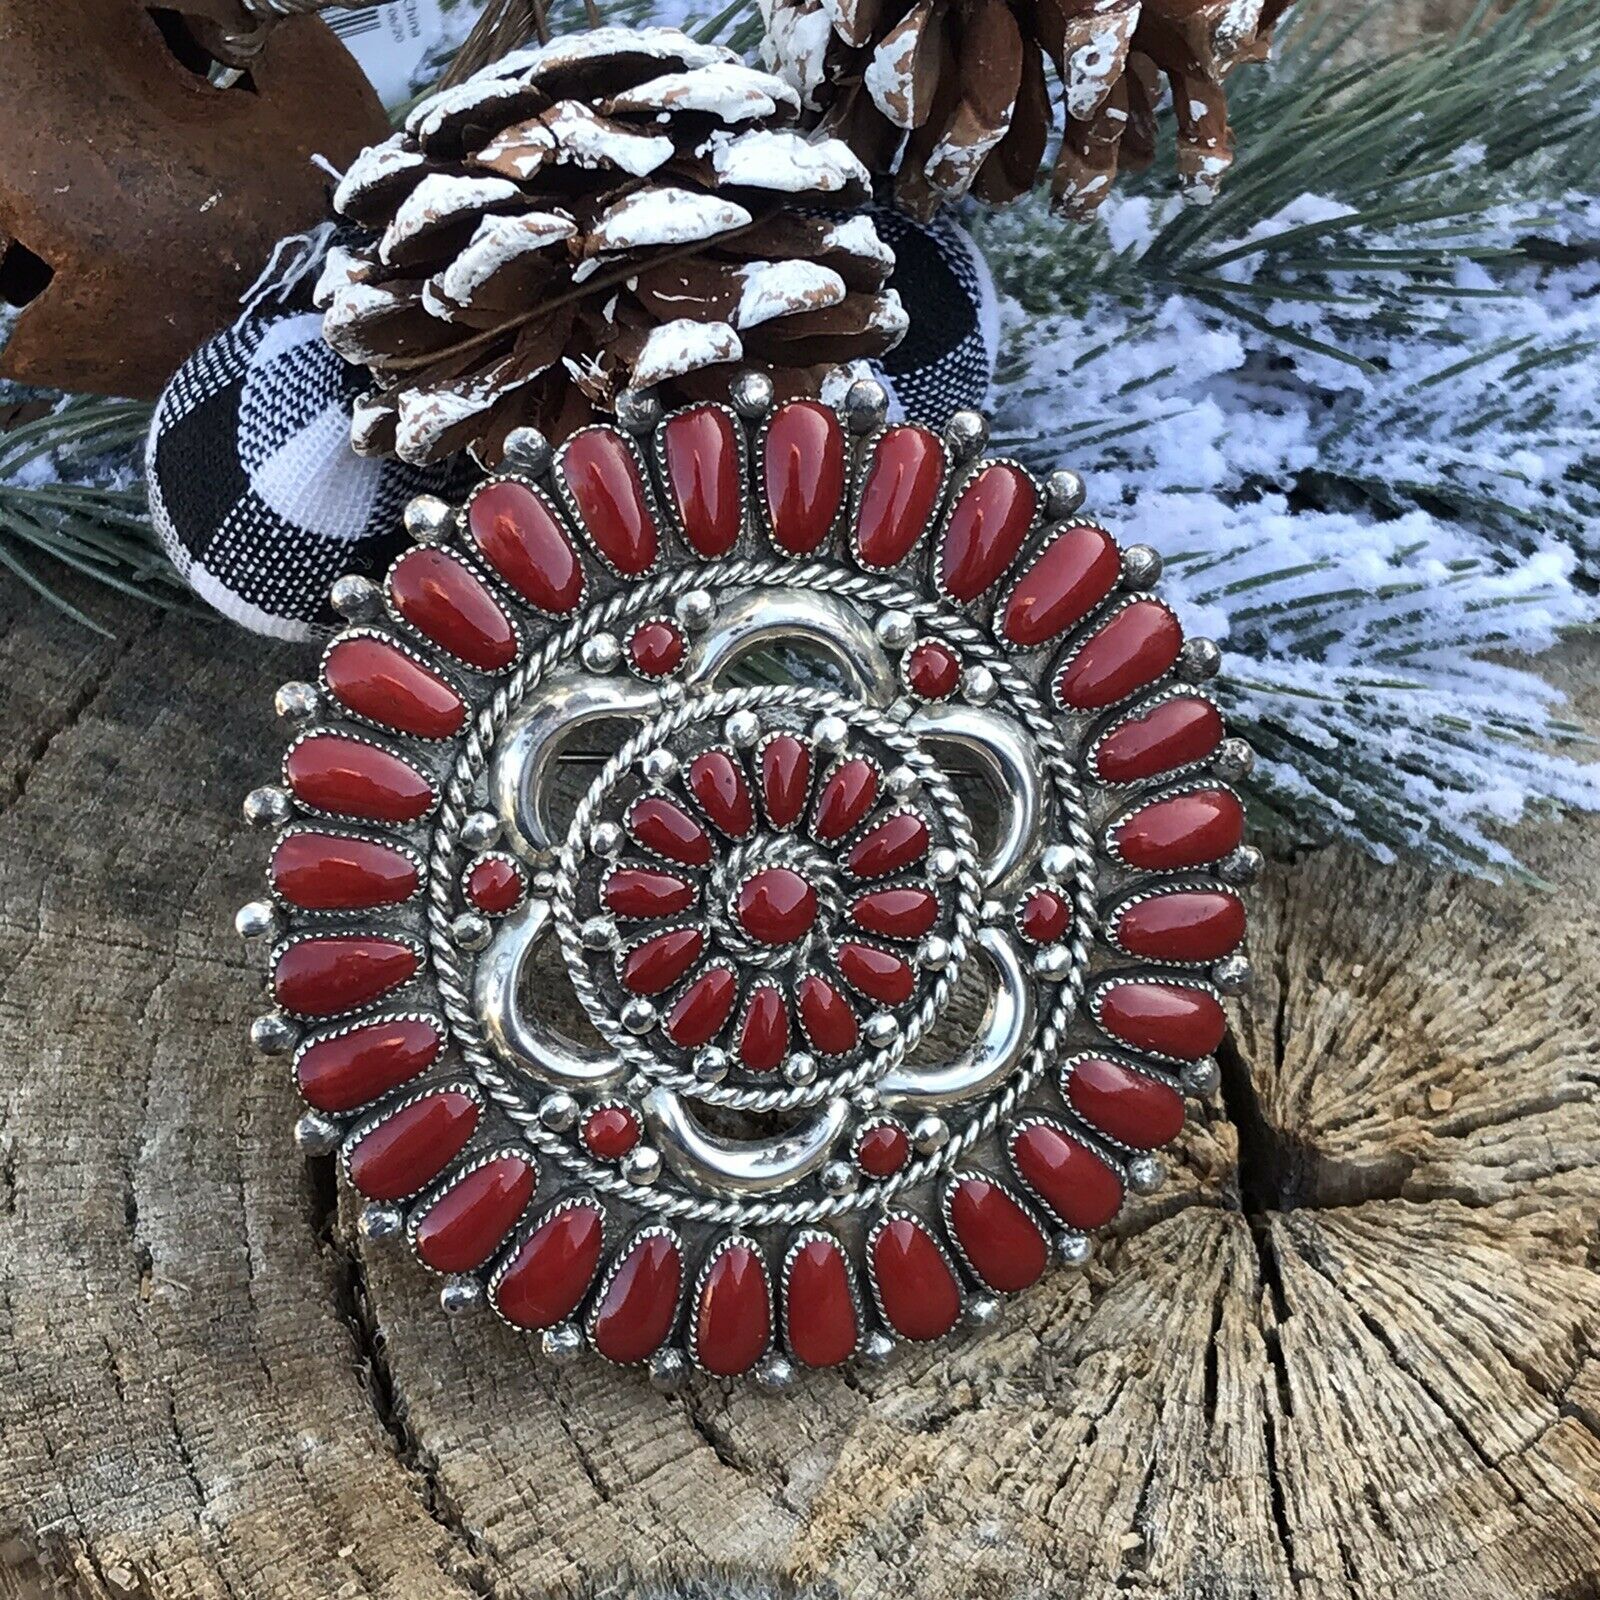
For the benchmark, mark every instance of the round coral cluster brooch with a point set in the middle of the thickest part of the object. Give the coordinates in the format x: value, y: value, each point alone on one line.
x: 750, y: 883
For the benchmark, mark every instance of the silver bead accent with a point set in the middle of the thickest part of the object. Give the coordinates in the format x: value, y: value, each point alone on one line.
x: 902, y: 782
x: 943, y: 864
x: 1064, y: 492
x: 1232, y: 974
x: 866, y: 1098
x: 471, y: 930
x: 1141, y: 566
x: 273, y: 1034
x: 831, y: 733
x: 638, y: 1016
x: 562, y: 1343
x: 1055, y: 964
x: 558, y: 1111
x: 966, y: 433
x: 982, y: 1311
x: 839, y: 1178
x: 752, y: 394
x: 316, y: 1135
x: 800, y: 1069
x: 642, y: 1164
x: 356, y: 599
x: 257, y: 920
x: 711, y: 1064
x: 601, y: 652
x: 1198, y: 660
x: 638, y: 410
x: 598, y: 933
x: 659, y: 766
x: 866, y: 404
x: 429, y: 519
x: 882, y: 1029
x: 876, y: 1349
x: 526, y: 450
x: 992, y: 913
x: 1233, y: 761
x: 1059, y: 861
x: 1200, y: 1078
x: 458, y: 1296
x: 743, y: 728
x: 268, y: 807
x: 695, y: 610
x: 605, y: 839
x: 480, y: 830
x: 934, y: 953
x: 774, y: 1372
x: 296, y: 701
x: 930, y: 1133
x: 380, y: 1222
x: 669, y: 1371
x: 1243, y: 866
x: 895, y: 629
x: 979, y: 686
x: 1074, y: 1249
x: 1146, y: 1174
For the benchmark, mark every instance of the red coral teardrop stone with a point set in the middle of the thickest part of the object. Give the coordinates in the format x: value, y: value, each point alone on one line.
x: 1129, y: 1106
x: 785, y: 778
x: 895, y: 843
x: 640, y: 1303
x: 346, y: 1070
x: 1184, y: 830
x: 550, y: 1274
x: 666, y: 828
x: 379, y: 681
x: 322, y: 976
x: 1189, y: 925
x: 700, y: 1011
x: 803, y: 474
x: 523, y: 539
x: 602, y: 476
x: 443, y: 599
x: 846, y: 797
x: 645, y: 892
x: 463, y: 1227
x: 717, y: 782
x: 733, y: 1320
x: 1167, y: 1019
x: 1075, y: 572
x: 986, y: 530
x: 326, y: 872
x: 413, y: 1146
x: 896, y: 913
x: 1069, y: 1177
x: 658, y: 963
x: 1132, y: 649
x: 1000, y: 1240
x: 1173, y: 734
x: 351, y: 778
x: 819, y: 1307
x: 876, y: 973
x: 826, y: 1016
x: 701, y: 453
x: 919, y: 1293
x: 899, y: 496
x: 764, y: 1032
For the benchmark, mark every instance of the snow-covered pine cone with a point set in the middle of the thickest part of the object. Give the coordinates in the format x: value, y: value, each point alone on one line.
x: 953, y: 96
x: 617, y: 209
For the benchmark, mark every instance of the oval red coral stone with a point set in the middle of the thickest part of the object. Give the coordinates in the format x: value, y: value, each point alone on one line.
x: 462, y: 1228
x: 1168, y: 1019
x: 1189, y: 925
x: 896, y: 913
x: 379, y: 681
x: 1069, y: 1177
x: 603, y: 479
x: 916, y: 1288
x: 733, y: 1319
x: 878, y: 974
x: 819, y: 1307
x: 986, y: 530
x: 669, y: 830
x: 1074, y: 573
x: 847, y: 796
x: 640, y: 1302
x: 785, y: 778
x: 645, y: 892
x: 899, y: 496
x: 413, y: 1146
x: 322, y: 976
x: 351, y: 778
x: 803, y: 474
x: 895, y: 843
x: 826, y: 1016
x: 522, y: 538
x: 1000, y: 1240
x: 764, y: 1032
x: 699, y: 1012
x: 717, y: 782
x: 658, y: 963
x: 346, y: 1070
x: 1128, y: 1105
x: 549, y: 1275
x: 1173, y: 734
x: 442, y: 598
x: 701, y: 453
x: 325, y: 872
x: 1184, y: 830
x: 1130, y: 650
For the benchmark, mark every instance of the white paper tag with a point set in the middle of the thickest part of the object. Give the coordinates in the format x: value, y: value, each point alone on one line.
x: 389, y: 41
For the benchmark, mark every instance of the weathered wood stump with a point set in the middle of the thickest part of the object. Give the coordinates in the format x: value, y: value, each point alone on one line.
x: 1348, y: 1351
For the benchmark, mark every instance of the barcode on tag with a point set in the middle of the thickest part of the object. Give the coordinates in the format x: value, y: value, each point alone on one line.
x: 347, y: 24
x: 390, y: 41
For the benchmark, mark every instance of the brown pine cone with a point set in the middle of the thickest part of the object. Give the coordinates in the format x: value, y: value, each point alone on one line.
x: 953, y: 96
x: 616, y: 210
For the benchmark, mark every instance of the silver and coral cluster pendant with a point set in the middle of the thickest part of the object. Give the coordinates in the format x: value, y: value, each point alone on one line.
x: 805, y: 1016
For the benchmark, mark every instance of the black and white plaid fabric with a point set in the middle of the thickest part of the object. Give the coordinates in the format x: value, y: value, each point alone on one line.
x: 254, y: 489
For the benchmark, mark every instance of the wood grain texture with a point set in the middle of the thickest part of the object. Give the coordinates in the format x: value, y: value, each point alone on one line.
x: 1346, y: 1352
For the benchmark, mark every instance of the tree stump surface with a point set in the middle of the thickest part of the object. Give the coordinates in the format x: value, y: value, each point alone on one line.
x: 1347, y: 1351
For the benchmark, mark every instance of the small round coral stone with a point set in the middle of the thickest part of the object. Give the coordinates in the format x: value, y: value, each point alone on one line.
x: 610, y: 1132
x: 1046, y: 917
x: 932, y: 670
x: 883, y: 1150
x: 776, y: 906
x: 656, y: 649
x: 495, y: 885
